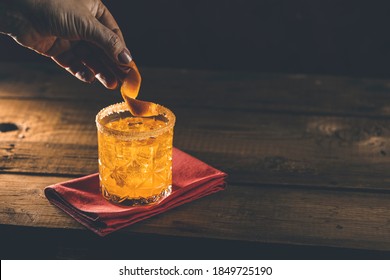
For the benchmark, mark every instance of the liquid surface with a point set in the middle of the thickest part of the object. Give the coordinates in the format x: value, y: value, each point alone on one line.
x: 138, y: 171
x: 137, y: 124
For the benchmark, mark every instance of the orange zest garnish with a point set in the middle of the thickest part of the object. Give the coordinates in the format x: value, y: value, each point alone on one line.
x: 129, y: 90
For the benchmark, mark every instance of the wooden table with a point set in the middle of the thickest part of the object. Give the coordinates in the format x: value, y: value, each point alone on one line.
x: 308, y: 159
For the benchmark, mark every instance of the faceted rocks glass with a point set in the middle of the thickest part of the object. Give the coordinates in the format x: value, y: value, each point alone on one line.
x: 135, y: 155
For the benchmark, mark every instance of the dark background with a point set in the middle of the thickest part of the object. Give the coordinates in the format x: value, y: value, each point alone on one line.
x: 333, y: 37
x: 348, y: 38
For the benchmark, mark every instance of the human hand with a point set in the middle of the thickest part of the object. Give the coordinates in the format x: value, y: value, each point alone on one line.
x: 80, y: 35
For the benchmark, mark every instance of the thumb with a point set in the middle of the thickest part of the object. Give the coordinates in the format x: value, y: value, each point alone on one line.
x: 106, y: 39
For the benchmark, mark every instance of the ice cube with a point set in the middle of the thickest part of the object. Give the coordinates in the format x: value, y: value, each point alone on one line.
x: 119, y: 175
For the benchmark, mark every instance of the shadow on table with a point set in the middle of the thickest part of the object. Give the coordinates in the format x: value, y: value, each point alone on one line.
x: 34, y: 243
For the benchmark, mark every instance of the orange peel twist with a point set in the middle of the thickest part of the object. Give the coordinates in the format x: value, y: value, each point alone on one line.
x: 129, y: 90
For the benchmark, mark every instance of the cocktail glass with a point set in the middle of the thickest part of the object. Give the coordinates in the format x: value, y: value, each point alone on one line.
x: 135, y: 155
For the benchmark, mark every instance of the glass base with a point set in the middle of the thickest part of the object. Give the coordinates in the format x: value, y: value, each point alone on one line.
x: 139, y: 201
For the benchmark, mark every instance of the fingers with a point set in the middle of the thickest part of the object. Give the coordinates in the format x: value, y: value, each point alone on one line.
x: 108, y: 40
x: 105, y: 17
x: 85, y: 64
x: 100, y: 51
x: 73, y: 65
x: 105, y: 71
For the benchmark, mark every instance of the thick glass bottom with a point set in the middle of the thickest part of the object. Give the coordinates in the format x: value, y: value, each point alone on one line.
x: 138, y: 201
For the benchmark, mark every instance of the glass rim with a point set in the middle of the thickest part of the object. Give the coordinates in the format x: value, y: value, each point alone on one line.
x: 132, y: 135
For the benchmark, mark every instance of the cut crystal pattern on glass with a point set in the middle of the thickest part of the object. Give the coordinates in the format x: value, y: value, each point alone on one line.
x: 135, y: 155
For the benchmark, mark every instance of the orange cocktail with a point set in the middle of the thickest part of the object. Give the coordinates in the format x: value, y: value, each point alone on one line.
x: 135, y: 155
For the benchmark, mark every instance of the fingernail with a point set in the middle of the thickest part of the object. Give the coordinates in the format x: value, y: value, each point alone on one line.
x: 102, y: 79
x: 124, y: 68
x: 110, y: 83
x: 124, y: 57
x: 84, y: 76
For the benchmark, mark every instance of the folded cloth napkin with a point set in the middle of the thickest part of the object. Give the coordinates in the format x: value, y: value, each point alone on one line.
x: 81, y: 197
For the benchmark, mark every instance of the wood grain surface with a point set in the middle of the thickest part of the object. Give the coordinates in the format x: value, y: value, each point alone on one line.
x: 307, y: 156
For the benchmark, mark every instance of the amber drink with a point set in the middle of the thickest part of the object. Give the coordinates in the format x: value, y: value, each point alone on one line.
x: 135, y: 155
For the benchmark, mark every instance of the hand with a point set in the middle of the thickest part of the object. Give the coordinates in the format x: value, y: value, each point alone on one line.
x: 80, y: 35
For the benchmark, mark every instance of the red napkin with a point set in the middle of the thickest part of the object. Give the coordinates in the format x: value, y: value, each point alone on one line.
x: 81, y: 197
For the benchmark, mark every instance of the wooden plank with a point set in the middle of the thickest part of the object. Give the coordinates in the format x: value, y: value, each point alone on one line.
x: 59, y: 137
x: 23, y: 202
x: 246, y: 213
x: 48, y: 158
x: 236, y: 91
x: 46, y: 81
x: 50, y: 121
x: 311, y: 172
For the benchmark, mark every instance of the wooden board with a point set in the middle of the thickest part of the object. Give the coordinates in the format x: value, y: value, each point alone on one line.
x: 233, y: 91
x: 307, y: 156
x: 272, y: 214
x: 59, y: 137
